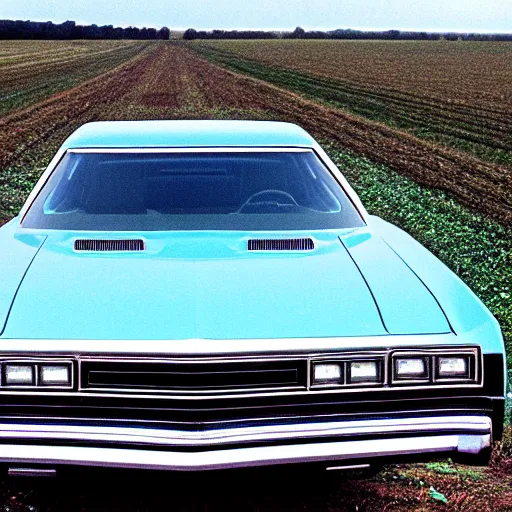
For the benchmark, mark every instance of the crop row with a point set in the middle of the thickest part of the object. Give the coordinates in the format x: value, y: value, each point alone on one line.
x: 40, y: 70
x: 470, y: 73
x: 462, y: 119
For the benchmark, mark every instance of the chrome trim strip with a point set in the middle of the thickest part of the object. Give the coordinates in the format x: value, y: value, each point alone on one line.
x: 211, y: 392
x: 350, y: 466
x: 250, y: 347
x: 241, y: 435
x: 32, y: 472
x: 197, y: 149
x: 244, y: 457
x: 274, y: 393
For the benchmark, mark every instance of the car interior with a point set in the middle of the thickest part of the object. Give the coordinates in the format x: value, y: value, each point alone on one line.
x: 201, y: 184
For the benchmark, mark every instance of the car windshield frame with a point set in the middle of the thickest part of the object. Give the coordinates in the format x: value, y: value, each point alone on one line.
x: 347, y: 216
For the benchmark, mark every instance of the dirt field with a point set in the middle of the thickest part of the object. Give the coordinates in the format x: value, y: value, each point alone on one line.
x: 34, y: 70
x: 459, y: 95
x: 452, y: 201
x: 145, y: 88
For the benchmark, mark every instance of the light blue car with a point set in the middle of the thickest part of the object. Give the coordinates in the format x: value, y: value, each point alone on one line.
x: 193, y: 295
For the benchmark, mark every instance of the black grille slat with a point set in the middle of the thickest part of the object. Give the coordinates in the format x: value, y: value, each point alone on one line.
x: 95, y: 245
x: 196, y: 413
x: 275, y: 244
x: 190, y: 380
x: 222, y: 376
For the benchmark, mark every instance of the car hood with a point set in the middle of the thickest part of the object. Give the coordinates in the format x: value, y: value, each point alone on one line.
x: 207, y: 285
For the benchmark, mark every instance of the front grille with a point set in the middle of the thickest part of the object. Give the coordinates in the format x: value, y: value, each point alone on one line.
x: 223, y: 407
x: 290, y: 244
x: 221, y: 412
x: 194, y: 376
x: 109, y: 245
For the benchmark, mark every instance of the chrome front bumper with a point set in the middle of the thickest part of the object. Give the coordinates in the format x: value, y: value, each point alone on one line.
x: 225, y: 448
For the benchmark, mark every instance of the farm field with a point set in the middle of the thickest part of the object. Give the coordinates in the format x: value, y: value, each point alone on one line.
x: 33, y: 70
x: 452, y: 200
x: 422, y: 89
x: 456, y: 94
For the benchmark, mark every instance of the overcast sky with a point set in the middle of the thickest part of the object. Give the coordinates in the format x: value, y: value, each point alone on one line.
x: 434, y: 15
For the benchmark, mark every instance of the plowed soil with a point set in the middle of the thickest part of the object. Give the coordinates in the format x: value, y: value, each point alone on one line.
x: 173, y: 82
x: 471, y: 73
x: 34, y: 70
x: 457, y: 94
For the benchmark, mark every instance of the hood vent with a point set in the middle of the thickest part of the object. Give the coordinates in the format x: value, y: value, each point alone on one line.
x: 109, y: 245
x: 291, y: 244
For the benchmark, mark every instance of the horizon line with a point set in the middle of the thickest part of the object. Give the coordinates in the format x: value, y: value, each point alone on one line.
x: 306, y: 28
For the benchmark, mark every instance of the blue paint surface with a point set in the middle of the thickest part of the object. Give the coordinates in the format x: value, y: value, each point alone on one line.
x: 16, y: 254
x: 405, y: 303
x: 469, y: 318
x: 139, y: 134
x: 370, y: 281
x: 193, y: 285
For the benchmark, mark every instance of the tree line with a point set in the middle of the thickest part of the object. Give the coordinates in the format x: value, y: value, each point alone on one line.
x: 18, y: 29
x: 300, y: 33
x: 10, y: 29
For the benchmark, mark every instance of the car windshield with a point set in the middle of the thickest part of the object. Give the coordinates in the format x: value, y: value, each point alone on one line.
x: 231, y: 190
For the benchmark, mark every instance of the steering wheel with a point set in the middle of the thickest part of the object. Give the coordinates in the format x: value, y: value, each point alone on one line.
x: 249, y: 201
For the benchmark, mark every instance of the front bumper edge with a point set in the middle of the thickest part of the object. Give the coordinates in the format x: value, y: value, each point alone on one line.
x: 238, y: 458
x: 469, y: 435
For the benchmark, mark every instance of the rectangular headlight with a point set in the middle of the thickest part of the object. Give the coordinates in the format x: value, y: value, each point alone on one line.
x: 19, y: 375
x: 453, y: 367
x: 411, y: 368
x: 364, y: 371
x: 55, y: 375
x: 327, y: 373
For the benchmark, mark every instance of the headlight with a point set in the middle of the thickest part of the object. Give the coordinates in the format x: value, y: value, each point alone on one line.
x: 55, y: 375
x: 19, y: 375
x: 411, y: 368
x: 327, y: 373
x: 36, y: 374
x: 363, y: 371
x: 452, y: 367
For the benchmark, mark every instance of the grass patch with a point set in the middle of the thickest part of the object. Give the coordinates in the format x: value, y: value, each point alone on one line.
x: 448, y: 468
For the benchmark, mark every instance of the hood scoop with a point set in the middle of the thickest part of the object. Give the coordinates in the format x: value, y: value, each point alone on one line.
x: 95, y: 245
x: 290, y: 244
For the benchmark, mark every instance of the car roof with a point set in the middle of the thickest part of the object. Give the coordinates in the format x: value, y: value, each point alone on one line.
x: 144, y: 134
